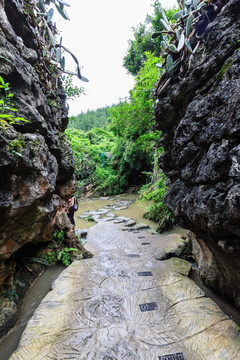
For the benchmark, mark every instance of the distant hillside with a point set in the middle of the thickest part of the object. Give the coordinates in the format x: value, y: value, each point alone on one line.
x: 99, y: 118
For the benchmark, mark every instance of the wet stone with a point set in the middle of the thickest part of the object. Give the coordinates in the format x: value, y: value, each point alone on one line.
x: 148, y: 306
x: 145, y: 273
x: 110, y: 214
x: 118, y: 221
x: 177, y: 356
x: 130, y: 223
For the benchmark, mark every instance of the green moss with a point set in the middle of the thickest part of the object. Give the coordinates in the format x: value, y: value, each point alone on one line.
x: 222, y: 72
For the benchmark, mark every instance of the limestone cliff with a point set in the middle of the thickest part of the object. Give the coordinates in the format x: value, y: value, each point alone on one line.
x: 36, y: 163
x: 199, y: 115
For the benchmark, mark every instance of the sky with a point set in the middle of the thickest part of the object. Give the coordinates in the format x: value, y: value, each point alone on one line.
x: 98, y: 34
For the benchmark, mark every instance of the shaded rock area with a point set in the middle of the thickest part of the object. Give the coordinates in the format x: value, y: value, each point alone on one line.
x: 125, y: 304
x: 36, y: 162
x: 199, y: 119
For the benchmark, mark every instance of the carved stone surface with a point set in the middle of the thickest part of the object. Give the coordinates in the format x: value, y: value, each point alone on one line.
x: 93, y: 309
x: 199, y: 118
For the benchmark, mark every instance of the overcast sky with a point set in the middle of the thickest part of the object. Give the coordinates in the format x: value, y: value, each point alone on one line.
x: 98, y: 35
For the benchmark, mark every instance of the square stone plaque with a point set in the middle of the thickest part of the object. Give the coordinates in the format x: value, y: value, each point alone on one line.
x: 148, y: 306
x: 177, y: 356
x: 145, y: 273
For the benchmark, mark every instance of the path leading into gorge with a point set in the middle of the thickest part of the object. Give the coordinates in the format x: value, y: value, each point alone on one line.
x: 126, y: 303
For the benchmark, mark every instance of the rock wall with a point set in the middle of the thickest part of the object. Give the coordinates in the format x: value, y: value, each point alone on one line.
x: 199, y: 116
x: 36, y: 163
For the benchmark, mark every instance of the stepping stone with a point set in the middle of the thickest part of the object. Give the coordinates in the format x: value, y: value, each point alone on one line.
x: 141, y: 226
x: 130, y: 223
x: 120, y: 208
x: 118, y: 221
x: 148, y: 306
x: 111, y: 215
x: 123, y: 218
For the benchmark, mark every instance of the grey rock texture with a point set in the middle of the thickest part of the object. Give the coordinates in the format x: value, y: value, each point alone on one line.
x: 199, y: 117
x: 36, y: 163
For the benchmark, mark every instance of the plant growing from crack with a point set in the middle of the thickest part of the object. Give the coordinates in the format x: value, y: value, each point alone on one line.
x: 7, y: 107
x: 55, y: 51
x: 181, y: 40
x: 65, y: 255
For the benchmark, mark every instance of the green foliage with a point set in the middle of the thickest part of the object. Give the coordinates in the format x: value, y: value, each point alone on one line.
x: 143, y: 41
x: 131, y: 159
x: 65, y: 255
x: 99, y: 118
x: 87, y: 149
x: 178, y: 49
x: 7, y: 107
x: 157, y: 210
x: 89, y: 218
x: 17, y: 145
x: 50, y: 257
x: 57, y: 251
x: 58, y: 236
x: 106, y: 181
x: 11, y: 294
x: 128, y: 146
x: 70, y: 90
x: 133, y: 118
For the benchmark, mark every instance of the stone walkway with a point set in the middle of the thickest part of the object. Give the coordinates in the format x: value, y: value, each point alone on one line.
x: 125, y: 304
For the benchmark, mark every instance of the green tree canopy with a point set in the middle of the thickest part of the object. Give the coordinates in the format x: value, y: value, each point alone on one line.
x: 143, y: 42
x: 91, y: 119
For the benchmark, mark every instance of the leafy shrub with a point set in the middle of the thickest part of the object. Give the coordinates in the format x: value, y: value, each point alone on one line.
x: 157, y: 210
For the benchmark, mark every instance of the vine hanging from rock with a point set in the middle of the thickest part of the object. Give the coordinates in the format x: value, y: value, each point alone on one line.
x: 52, y: 51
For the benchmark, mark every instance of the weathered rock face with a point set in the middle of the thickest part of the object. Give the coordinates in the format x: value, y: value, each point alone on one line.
x: 36, y: 160
x: 200, y: 120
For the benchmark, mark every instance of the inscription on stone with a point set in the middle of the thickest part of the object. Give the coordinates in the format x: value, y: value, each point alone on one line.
x: 141, y: 237
x: 177, y: 356
x: 146, y: 243
x: 145, y: 273
x: 148, y: 306
x: 133, y: 255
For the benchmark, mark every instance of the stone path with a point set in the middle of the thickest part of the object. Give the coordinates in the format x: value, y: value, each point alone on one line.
x: 125, y: 304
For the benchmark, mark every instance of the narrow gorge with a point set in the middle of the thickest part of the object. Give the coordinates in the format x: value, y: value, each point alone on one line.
x: 130, y: 296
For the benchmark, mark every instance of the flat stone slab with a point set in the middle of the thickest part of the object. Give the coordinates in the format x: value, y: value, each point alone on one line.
x: 141, y: 226
x: 130, y: 223
x: 93, y: 311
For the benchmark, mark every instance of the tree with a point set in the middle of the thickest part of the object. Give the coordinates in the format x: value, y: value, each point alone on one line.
x: 143, y: 41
